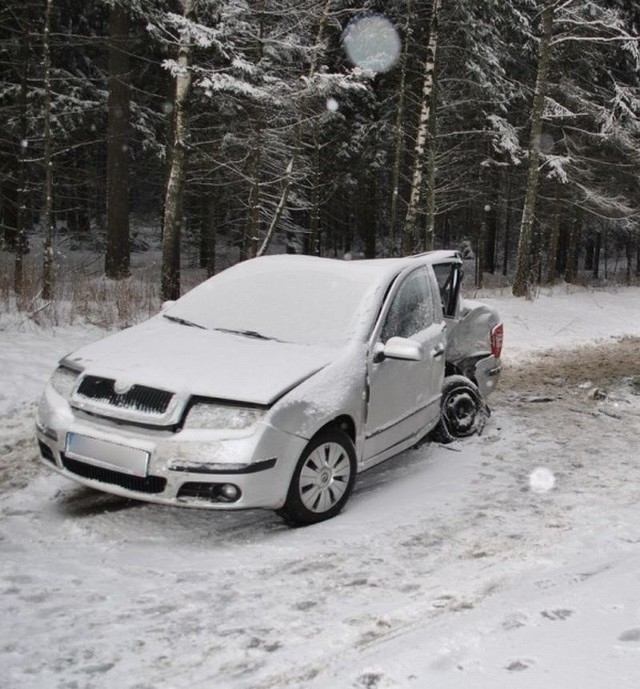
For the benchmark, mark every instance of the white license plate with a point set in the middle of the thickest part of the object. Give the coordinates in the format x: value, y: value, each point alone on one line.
x: 108, y: 455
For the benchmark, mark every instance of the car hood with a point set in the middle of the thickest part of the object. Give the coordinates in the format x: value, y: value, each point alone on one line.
x: 208, y: 363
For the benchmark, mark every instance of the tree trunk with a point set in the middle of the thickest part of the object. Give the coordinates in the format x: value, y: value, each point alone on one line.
x: 399, y: 134
x: 537, y: 248
x: 210, y: 232
x: 9, y: 208
x: 314, y: 219
x: 491, y: 236
x: 588, y: 254
x: 369, y: 203
x: 409, y: 232
x: 505, y: 220
x: 571, y: 271
x: 117, y: 258
x: 252, y: 232
x: 523, y: 259
x: 554, y: 240
x: 480, y: 243
x: 47, y: 261
x: 171, y: 228
x: 430, y: 225
x: 21, y: 244
x: 597, y: 250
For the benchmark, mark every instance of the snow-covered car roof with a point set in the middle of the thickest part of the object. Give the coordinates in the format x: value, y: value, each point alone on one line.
x: 441, y: 256
x: 397, y: 264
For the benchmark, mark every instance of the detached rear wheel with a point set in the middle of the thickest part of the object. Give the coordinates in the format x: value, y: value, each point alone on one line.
x: 463, y: 412
x: 323, y: 479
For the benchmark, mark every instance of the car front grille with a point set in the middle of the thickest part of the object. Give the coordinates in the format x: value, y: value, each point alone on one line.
x: 140, y: 484
x: 138, y: 398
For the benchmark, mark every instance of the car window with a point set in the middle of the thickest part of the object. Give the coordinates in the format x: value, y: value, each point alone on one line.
x: 412, y: 309
x: 448, y: 277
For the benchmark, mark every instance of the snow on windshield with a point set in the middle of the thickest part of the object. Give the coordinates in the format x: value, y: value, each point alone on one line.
x: 296, y: 299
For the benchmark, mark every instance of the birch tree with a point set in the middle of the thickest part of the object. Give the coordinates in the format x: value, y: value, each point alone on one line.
x: 171, y: 225
x: 417, y: 173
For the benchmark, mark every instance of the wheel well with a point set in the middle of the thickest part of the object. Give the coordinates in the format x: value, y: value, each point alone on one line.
x: 453, y: 370
x: 450, y: 369
x: 344, y: 423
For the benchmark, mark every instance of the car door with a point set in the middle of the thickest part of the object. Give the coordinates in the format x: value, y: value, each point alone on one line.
x: 404, y: 395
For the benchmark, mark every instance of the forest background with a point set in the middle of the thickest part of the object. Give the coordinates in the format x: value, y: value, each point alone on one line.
x: 508, y: 127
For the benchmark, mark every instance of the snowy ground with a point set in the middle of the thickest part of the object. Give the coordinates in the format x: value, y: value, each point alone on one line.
x: 508, y: 560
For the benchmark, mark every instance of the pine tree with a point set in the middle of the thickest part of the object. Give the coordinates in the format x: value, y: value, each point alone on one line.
x: 544, y: 55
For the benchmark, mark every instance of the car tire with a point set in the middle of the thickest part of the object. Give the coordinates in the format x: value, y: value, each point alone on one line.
x: 323, y: 479
x: 463, y: 412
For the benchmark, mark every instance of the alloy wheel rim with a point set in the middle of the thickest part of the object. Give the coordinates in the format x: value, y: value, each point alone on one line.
x: 324, y: 477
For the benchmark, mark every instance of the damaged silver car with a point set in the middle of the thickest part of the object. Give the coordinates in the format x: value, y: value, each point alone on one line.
x: 272, y: 384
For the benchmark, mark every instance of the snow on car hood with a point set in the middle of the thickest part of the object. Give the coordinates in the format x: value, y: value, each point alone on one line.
x: 193, y: 361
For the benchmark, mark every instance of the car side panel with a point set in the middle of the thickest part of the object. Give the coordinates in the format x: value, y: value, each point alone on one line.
x: 404, y: 398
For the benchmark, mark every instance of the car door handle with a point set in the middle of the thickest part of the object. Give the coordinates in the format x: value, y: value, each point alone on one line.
x: 437, y: 351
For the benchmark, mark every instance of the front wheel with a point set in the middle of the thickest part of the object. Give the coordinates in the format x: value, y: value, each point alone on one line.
x: 463, y: 412
x: 323, y: 479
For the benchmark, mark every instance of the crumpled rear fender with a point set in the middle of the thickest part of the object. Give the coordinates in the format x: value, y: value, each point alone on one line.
x: 469, y: 335
x: 469, y: 345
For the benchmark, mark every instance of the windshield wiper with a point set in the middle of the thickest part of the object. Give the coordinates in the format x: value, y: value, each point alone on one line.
x: 247, y: 333
x: 183, y: 321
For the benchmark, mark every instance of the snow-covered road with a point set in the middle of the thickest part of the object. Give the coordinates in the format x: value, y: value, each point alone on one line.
x: 509, y: 559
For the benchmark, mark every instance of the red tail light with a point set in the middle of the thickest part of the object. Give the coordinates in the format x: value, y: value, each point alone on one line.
x: 497, y: 338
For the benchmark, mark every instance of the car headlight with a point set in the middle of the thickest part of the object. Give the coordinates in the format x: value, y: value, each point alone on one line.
x: 64, y: 380
x: 222, y: 417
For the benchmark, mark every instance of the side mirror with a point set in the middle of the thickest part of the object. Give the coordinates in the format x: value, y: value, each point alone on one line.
x: 399, y: 348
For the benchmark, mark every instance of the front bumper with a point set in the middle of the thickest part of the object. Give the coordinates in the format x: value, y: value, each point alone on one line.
x: 189, y: 468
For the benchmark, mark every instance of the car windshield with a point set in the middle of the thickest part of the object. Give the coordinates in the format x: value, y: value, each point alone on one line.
x: 287, y: 298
